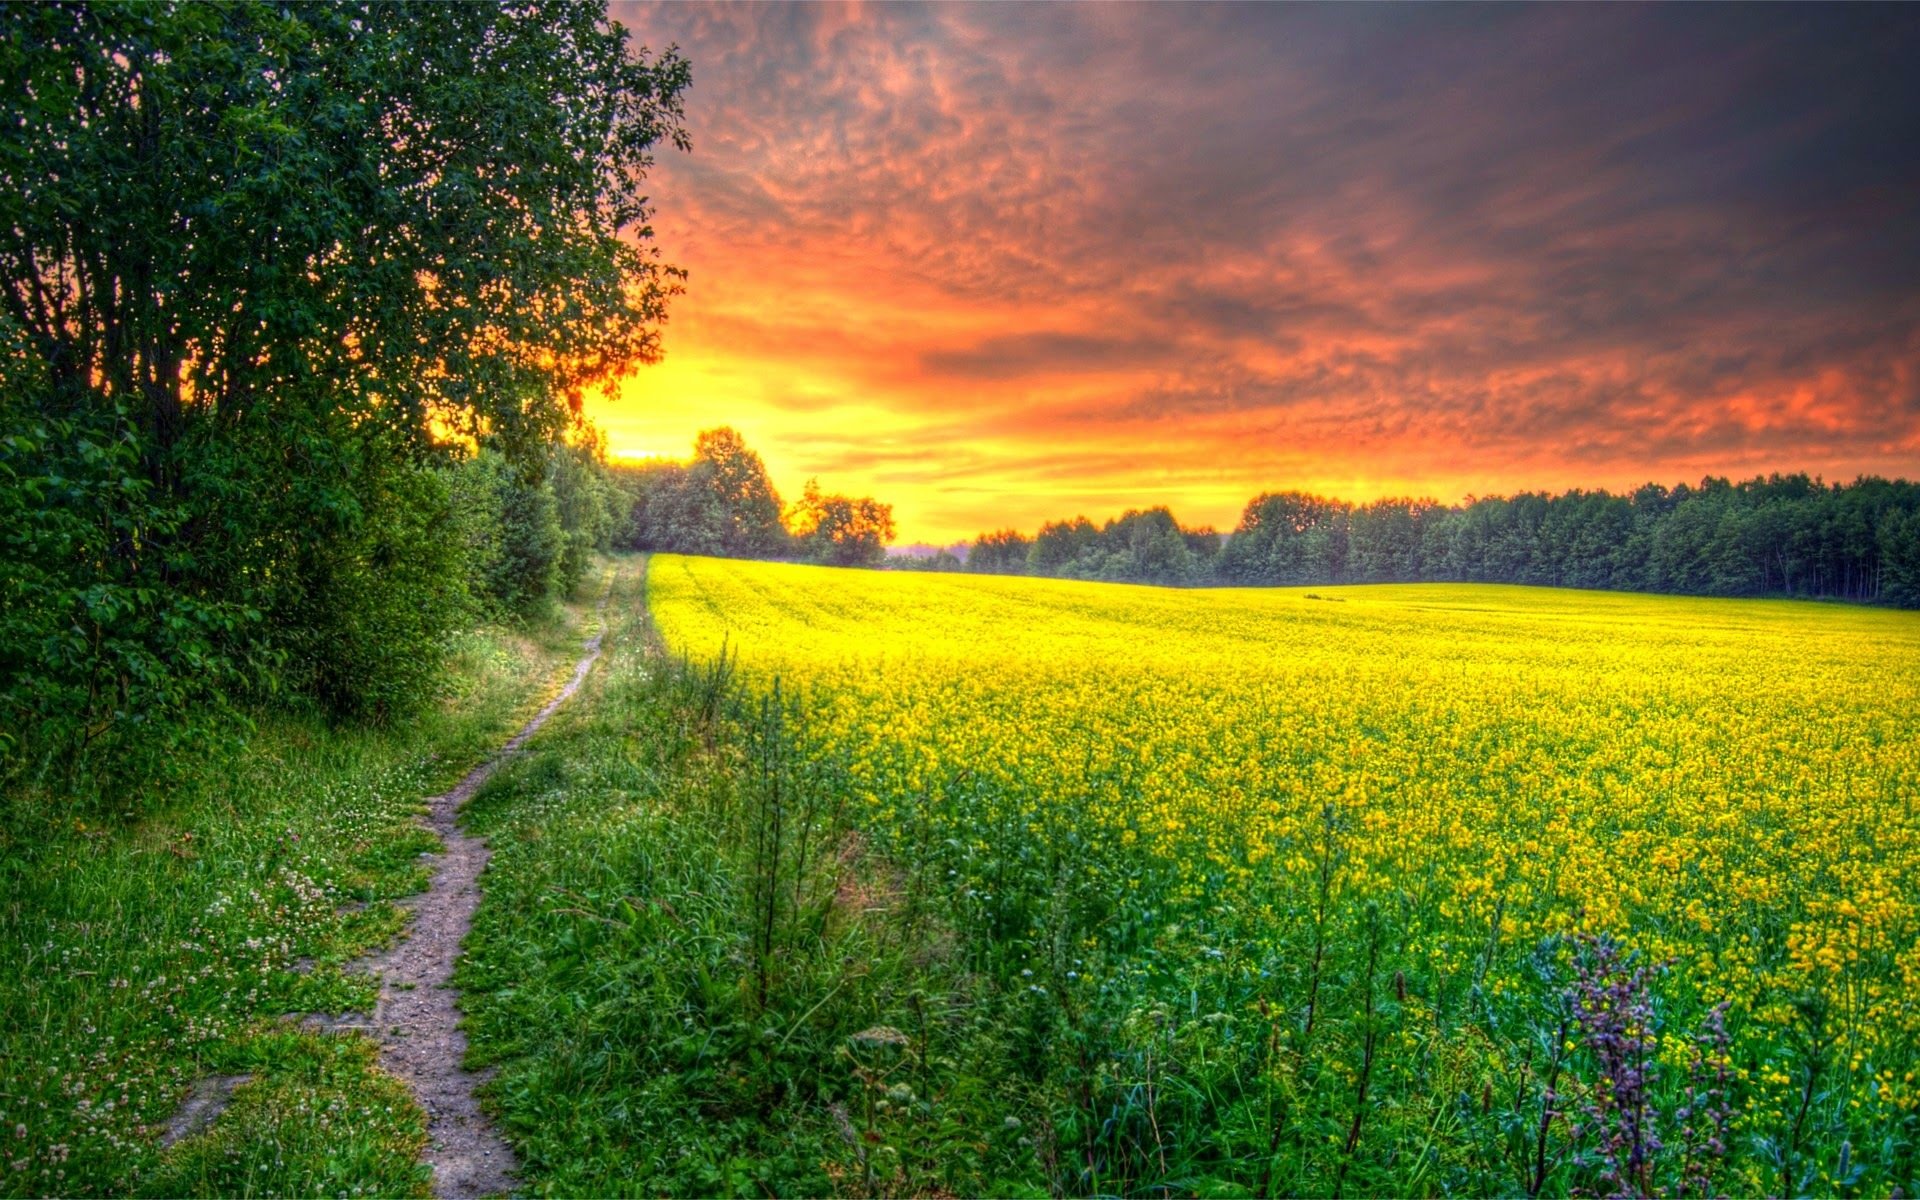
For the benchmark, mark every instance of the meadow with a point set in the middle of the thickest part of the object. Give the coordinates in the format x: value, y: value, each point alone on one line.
x: 1399, y: 889
x: 144, y: 954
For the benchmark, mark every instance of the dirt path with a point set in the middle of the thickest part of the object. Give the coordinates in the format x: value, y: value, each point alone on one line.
x: 417, y: 1019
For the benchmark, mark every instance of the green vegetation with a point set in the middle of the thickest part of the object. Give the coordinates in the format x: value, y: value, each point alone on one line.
x: 1784, y: 535
x: 139, y: 956
x: 297, y: 306
x: 722, y: 503
x: 936, y: 885
x: 685, y: 963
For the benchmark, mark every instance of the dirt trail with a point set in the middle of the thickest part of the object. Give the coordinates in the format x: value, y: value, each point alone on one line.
x: 417, y: 1019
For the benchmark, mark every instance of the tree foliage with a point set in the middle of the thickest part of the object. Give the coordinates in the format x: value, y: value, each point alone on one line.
x: 257, y: 258
x: 841, y: 531
x: 1003, y: 552
x: 720, y: 503
x: 737, y: 481
x: 1784, y: 535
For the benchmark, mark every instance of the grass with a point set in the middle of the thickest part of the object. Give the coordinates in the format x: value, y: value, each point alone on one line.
x: 682, y: 963
x: 137, y: 959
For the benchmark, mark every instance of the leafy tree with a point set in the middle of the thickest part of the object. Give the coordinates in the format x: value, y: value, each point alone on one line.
x: 1384, y: 540
x: 538, y: 524
x: 587, y: 504
x: 94, y: 657
x: 1061, y: 543
x: 1001, y: 553
x: 839, y: 530
x: 736, y: 479
x: 526, y: 575
x: 257, y: 254
x: 666, y: 511
x: 362, y: 634
x: 940, y: 562
x: 1147, y: 547
x: 1140, y: 546
x: 1900, y: 553
x: 1288, y: 537
x: 721, y: 503
x: 1777, y: 535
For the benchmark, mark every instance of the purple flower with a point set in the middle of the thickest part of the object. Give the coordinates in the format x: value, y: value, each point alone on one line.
x: 1613, y: 1014
x: 1703, y: 1119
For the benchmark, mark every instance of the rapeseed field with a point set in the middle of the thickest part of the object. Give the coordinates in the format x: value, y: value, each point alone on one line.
x: 1392, y: 888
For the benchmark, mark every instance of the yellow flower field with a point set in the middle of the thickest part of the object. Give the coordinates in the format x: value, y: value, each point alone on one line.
x: 1728, y: 788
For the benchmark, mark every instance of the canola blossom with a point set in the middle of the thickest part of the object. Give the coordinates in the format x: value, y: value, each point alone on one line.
x: 1241, y: 782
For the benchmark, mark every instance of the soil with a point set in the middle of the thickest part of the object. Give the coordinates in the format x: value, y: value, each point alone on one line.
x: 417, y: 1018
x: 207, y: 1100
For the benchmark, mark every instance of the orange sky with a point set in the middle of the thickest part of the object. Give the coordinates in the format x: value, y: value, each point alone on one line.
x: 1000, y: 265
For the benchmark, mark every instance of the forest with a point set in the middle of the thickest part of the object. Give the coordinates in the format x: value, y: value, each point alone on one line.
x: 1782, y: 535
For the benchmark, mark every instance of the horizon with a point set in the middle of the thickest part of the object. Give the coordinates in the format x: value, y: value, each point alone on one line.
x: 999, y: 265
x: 903, y: 544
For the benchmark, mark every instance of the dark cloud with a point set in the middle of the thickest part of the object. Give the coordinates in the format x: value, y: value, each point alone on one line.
x: 1031, y: 354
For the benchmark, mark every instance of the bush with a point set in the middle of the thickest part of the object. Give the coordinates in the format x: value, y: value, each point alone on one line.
x: 526, y: 575
x: 97, y: 658
x: 367, y: 633
x: 585, y: 498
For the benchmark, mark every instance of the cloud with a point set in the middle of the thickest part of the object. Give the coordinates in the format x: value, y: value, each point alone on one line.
x: 1028, y: 255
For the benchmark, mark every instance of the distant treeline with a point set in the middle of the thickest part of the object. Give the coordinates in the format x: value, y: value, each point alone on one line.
x: 1783, y: 535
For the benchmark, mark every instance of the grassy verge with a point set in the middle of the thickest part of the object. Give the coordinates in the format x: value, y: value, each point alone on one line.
x: 694, y: 979
x: 136, y: 961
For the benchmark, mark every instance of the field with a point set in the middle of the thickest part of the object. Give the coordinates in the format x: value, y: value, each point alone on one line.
x: 1375, y: 889
x: 861, y: 883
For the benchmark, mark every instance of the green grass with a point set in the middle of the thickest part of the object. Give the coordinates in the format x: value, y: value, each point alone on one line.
x: 701, y: 966
x: 680, y: 1004
x: 137, y: 959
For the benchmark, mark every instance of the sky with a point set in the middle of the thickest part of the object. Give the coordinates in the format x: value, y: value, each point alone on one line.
x: 1003, y: 264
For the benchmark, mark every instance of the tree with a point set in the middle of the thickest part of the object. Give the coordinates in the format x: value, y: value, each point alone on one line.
x: 585, y: 500
x: 839, y: 530
x: 940, y: 562
x: 1781, y: 534
x: 1288, y: 538
x: 1900, y: 552
x: 667, y: 513
x: 1150, y: 547
x: 255, y: 256
x: 721, y: 503
x: 1061, y: 543
x: 736, y: 479
x: 1001, y: 553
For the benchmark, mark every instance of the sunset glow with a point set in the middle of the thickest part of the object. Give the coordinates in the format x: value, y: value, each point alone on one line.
x: 1002, y: 264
